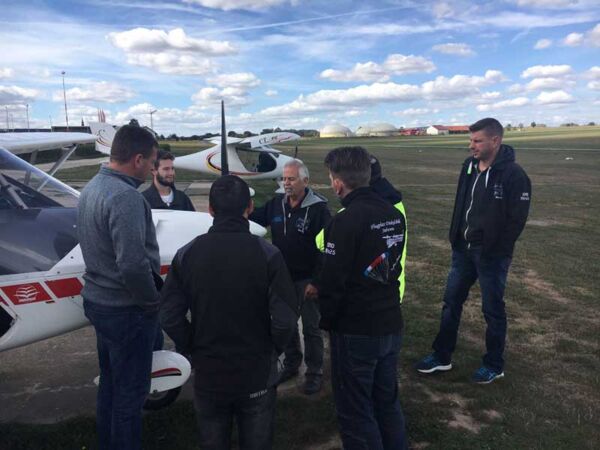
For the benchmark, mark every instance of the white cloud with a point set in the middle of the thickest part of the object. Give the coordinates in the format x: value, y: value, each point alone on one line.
x: 211, y: 95
x: 542, y: 44
x: 554, y: 97
x: 228, y: 5
x: 510, y: 103
x: 174, y: 64
x: 341, y: 98
x: 103, y: 91
x: 515, y: 88
x: 593, y: 36
x: 442, y: 10
x: 548, y: 83
x: 171, y: 52
x: 271, y: 93
x: 547, y: 3
x: 454, y: 48
x: 6, y: 72
x: 416, y: 112
x: 143, y: 40
x: 460, y: 85
x: 595, y: 85
x: 573, y: 40
x: 593, y: 73
x: 240, y: 80
x: 395, y: 64
x: 547, y: 71
x: 12, y: 95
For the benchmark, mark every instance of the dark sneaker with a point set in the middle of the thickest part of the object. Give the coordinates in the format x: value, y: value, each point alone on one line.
x: 312, y: 384
x: 287, y: 374
x: 483, y: 375
x: 431, y: 364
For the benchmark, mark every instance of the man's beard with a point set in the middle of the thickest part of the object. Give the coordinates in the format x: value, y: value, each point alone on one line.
x: 164, y: 182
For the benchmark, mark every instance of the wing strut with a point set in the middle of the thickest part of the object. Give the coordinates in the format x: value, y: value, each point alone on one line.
x: 224, y: 161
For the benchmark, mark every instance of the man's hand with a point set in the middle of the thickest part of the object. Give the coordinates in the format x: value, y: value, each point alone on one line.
x: 311, y: 292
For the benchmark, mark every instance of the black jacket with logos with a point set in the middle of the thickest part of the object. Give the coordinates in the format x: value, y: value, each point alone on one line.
x: 181, y: 202
x: 503, y: 206
x: 358, y: 284
x: 243, y: 307
x: 293, y: 230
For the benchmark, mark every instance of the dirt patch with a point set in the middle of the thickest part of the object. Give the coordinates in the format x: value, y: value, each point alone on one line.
x: 543, y: 223
x: 492, y: 414
x: 542, y: 288
x: 464, y: 422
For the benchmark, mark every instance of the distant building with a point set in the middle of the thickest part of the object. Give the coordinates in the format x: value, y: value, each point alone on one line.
x: 452, y: 129
x: 435, y: 130
x: 335, y: 131
x: 363, y: 130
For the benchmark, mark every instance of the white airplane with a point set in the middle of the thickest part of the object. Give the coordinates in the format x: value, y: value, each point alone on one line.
x: 41, y: 266
x: 250, y: 158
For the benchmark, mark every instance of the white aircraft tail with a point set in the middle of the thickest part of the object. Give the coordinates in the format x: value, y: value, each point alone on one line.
x: 105, y: 134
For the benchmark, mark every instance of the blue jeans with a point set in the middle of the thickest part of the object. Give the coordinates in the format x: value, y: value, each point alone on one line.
x: 468, y: 265
x: 365, y: 389
x: 125, y: 337
x: 254, y: 414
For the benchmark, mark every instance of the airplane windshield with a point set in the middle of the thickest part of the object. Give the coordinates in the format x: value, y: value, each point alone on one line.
x: 23, y: 186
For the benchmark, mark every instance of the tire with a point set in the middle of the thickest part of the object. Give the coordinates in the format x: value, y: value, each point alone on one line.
x: 161, y: 400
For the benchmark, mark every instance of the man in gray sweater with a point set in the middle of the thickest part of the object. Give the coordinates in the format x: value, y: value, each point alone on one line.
x: 120, y: 296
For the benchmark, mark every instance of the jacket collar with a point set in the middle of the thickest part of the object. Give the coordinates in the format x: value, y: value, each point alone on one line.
x: 356, y: 193
x: 105, y: 170
x: 229, y: 224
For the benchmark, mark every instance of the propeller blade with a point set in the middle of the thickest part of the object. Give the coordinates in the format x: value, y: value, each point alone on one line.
x: 224, y: 161
x: 296, y: 152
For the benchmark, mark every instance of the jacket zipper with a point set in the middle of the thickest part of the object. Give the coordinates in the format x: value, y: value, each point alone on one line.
x: 469, y: 209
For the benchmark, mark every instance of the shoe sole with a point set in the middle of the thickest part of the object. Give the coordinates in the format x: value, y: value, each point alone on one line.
x: 436, y: 369
x: 501, y: 375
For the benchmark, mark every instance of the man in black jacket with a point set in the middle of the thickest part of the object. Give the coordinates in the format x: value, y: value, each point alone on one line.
x: 162, y: 194
x: 490, y: 211
x: 243, y: 312
x: 295, y: 218
x: 360, y: 306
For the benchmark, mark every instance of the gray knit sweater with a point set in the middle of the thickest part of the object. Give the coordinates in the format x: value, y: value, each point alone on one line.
x: 118, y: 242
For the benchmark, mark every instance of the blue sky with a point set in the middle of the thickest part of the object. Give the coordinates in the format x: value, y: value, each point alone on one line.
x: 300, y: 64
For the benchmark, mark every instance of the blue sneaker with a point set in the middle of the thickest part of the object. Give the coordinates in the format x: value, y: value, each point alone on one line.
x: 431, y: 364
x: 483, y: 375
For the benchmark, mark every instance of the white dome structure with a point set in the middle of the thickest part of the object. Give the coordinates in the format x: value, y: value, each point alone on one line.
x: 363, y: 130
x: 335, y: 130
x: 377, y: 129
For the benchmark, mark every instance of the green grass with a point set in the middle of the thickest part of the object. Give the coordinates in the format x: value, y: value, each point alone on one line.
x: 551, y: 394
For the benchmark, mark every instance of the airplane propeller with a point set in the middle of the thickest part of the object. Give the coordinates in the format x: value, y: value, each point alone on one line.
x: 224, y: 161
x: 296, y: 152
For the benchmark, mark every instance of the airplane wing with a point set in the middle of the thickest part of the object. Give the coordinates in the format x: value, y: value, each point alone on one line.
x: 18, y: 143
x: 264, y: 141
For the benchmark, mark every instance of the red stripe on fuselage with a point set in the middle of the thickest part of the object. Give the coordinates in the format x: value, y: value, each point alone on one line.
x: 164, y: 269
x: 169, y: 372
x: 67, y: 287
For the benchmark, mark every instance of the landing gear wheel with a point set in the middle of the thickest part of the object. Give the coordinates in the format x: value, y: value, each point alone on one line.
x: 160, y: 400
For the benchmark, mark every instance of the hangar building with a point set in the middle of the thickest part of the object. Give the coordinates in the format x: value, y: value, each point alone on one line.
x: 335, y: 131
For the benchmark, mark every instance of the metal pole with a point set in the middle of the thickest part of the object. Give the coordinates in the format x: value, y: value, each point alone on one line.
x: 65, y: 97
x: 151, y: 121
x: 27, y: 106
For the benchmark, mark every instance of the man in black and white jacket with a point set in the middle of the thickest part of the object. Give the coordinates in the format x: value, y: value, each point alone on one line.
x: 490, y: 211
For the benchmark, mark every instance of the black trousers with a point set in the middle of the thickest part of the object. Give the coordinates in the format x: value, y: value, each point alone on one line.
x: 253, y: 413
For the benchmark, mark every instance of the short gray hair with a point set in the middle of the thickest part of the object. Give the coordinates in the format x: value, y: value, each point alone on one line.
x: 302, y: 169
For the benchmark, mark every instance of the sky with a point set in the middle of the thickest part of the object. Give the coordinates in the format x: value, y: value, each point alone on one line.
x: 299, y: 63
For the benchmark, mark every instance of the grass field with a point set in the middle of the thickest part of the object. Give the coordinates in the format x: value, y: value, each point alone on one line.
x: 550, y: 398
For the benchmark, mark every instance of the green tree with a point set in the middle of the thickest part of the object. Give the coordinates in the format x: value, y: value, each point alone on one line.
x: 533, y: 124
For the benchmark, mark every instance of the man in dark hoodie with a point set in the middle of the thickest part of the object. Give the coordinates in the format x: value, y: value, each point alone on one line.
x: 295, y: 219
x: 162, y: 194
x: 243, y: 312
x: 490, y: 211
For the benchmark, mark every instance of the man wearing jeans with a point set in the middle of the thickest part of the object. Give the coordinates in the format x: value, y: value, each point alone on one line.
x: 359, y: 297
x: 243, y: 310
x: 490, y: 211
x: 120, y: 297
